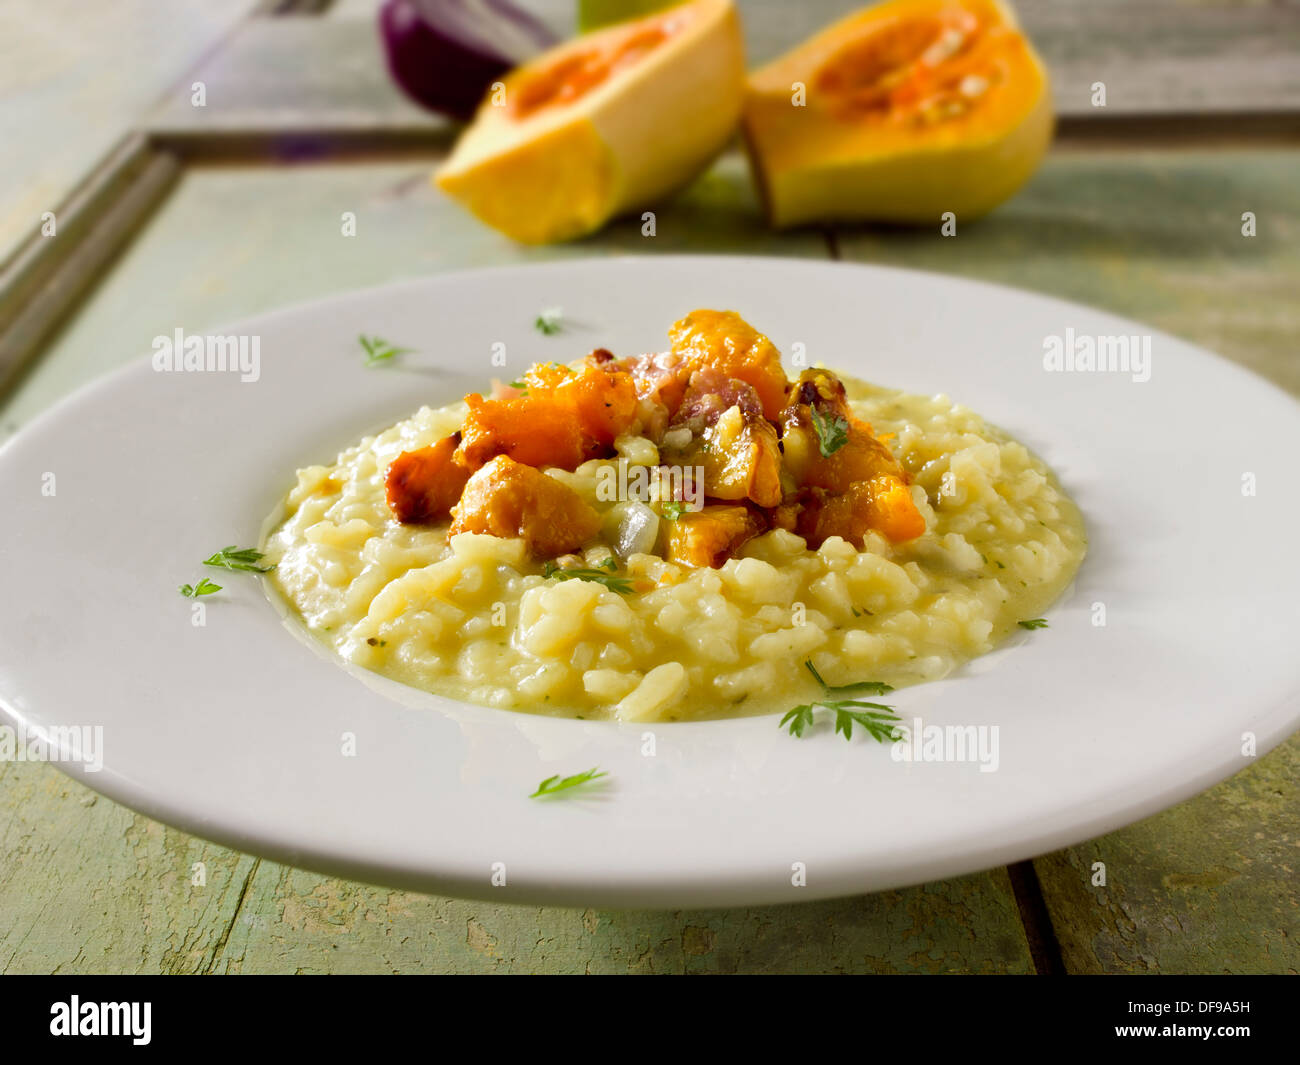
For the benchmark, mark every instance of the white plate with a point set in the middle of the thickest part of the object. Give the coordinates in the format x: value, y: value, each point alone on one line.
x: 234, y: 730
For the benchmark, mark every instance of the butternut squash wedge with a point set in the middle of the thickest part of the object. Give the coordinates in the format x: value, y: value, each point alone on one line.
x: 899, y: 113
x: 608, y: 122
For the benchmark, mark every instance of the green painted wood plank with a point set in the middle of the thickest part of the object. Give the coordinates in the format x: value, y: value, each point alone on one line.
x: 89, y: 886
x: 1209, y: 886
x: 300, y: 922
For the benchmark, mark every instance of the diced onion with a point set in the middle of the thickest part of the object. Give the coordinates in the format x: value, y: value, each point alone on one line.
x: 637, y: 531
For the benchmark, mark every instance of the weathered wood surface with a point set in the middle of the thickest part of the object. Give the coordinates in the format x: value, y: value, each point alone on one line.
x: 1161, y: 57
x: 87, y: 885
x: 1209, y: 886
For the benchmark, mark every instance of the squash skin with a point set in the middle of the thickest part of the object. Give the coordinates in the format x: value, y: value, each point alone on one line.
x: 812, y: 164
x: 563, y: 171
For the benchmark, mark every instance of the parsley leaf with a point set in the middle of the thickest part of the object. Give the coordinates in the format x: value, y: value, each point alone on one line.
x: 1033, y: 623
x: 622, y: 585
x: 799, y: 718
x: 379, y: 350
x: 875, y: 718
x: 832, y: 432
x: 204, y: 587
x: 548, y: 322
x: 557, y: 783
x: 673, y: 510
x: 862, y: 687
x: 245, y: 559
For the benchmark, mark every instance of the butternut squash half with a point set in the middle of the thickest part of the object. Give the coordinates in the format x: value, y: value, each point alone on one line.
x: 605, y: 123
x: 899, y: 113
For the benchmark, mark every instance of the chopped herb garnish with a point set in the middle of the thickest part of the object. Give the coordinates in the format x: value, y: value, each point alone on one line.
x: 863, y: 687
x: 379, y: 350
x: 548, y: 322
x: 245, y: 559
x: 876, y: 718
x: 799, y: 718
x: 557, y: 783
x: 1033, y: 623
x: 622, y: 585
x: 832, y: 432
x: 673, y: 510
x: 204, y: 587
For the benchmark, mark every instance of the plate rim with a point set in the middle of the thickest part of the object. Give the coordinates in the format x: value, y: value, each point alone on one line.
x: 611, y: 890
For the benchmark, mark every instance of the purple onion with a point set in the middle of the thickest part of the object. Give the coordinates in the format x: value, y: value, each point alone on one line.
x: 445, y: 54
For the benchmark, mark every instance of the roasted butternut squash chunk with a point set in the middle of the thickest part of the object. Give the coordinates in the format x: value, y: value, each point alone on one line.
x: 529, y: 429
x: 603, y: 400
x: 818, y: 400
x: 742, y: 459
x: 883, y: 504
x: 710, y: 536
x: 508, y: 499
x: 423, y: 485
x: 563, y: 418
x: 724, y: 341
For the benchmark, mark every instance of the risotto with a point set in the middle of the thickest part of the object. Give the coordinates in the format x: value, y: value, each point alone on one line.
x: 663, y: 572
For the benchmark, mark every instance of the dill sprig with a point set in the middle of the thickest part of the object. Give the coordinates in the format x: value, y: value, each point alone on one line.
x: 549, y: 322
x: 557, y: 783
x: 244, y: 559
x: 605, y: 576
x: 379, y: 350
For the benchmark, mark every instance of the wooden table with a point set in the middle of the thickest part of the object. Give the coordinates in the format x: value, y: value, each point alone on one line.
x: 203, y: 216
